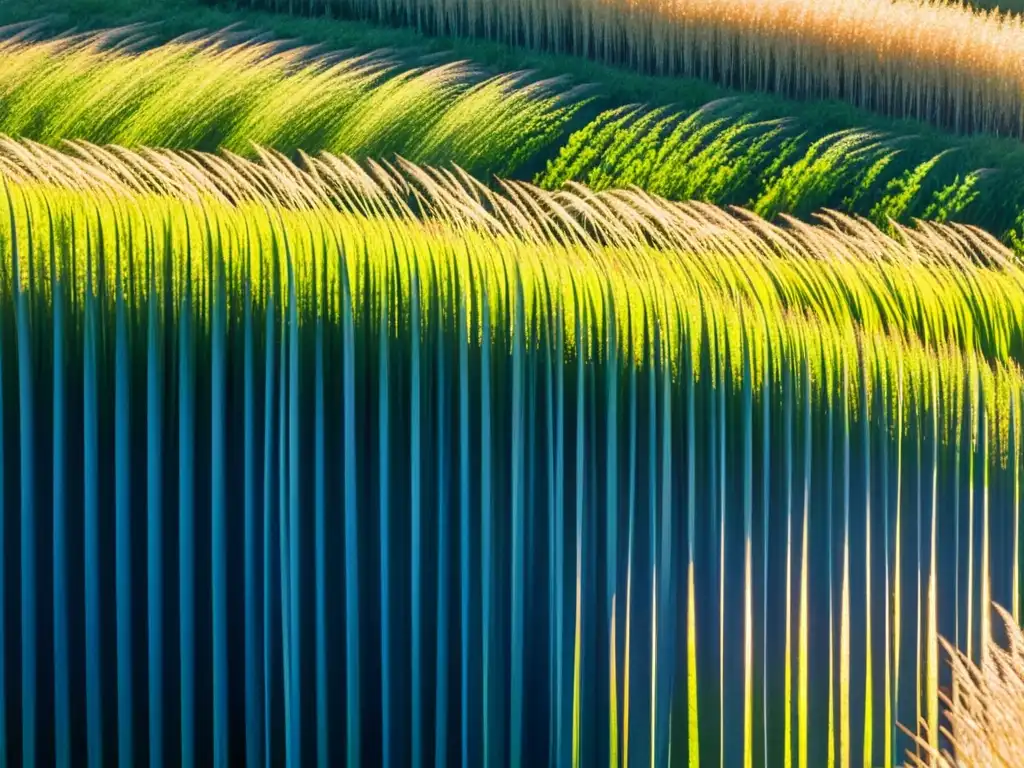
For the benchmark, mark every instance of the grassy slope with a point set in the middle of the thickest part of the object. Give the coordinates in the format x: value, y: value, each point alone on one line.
x: 613, y: 86
x: 616, y: 85
x: 181, y: 96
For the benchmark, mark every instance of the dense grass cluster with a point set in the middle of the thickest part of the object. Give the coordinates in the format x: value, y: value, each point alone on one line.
x: 515, y: 475
x: 714, y: 156
x: 926, y: 59
x: 370, y: 408
x: 232, y: 92
x: 906, y: 292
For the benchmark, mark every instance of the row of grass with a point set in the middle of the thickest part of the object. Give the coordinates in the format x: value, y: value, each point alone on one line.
x: 518, y: 475
x: 229, y: 91
x: 203, y: 92
x: 940, y: 284
x: 170, y: 18
x: 927, y: 59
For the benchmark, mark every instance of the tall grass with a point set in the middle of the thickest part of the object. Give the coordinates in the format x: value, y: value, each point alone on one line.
x: 349, y: 370
x: 230, y: 91
x: 925, y: 59
x: 953, y: 285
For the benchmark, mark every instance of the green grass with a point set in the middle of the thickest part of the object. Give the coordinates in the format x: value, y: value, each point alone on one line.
x: 722, y: 157
x: 977, y: 179
x: 223, y: 92
x: 617, y: 85
x: 600, y: 359
x: 401, y: 332
x: 940, y: 284
x: 220, y: 92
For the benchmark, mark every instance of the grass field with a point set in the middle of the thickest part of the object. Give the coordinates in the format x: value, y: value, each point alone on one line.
x: 106, y: 90
x: 932, y: 61
x: 581, y: 388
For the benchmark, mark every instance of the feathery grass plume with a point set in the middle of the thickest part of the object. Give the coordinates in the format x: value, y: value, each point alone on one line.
x: 826, y: 167
x: 982, y: 709
x: 229, y: 90
x: 926, y: 59
x: 695, y: 322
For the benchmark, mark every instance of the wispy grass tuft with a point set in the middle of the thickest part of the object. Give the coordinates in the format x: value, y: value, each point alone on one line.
x: 983, y: 707
x: 230, y: 91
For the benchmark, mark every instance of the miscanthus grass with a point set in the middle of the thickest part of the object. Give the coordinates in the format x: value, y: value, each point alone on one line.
x: 229, y: 90
x: 649, y: 430
x: 926, y: 59
x: 983, y: 705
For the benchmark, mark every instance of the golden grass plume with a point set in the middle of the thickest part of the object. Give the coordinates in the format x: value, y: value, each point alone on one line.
x: 984, y: 708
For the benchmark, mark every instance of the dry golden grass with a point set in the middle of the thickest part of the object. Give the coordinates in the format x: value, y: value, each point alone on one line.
x: 984, y: 709
x: 926, y: 59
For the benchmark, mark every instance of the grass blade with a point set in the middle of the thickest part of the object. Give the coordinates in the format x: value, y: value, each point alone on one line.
x: 122, y: 524
x: 611, y: 515
x: 254, y: 722
x: 91, y: 503
x: 416, y: 516
x: 62, y: 683
x: 692, y: 687
x: 465, y: 577
x: 186, y: 518
x: 269, y: 512
x: 294, y: 507
x: 384, y: 473
x: 442, y: 447
x: 519, y: 450
x: 803, y: 649
x: 26, y: 398
x: 486, y: 514
x: 353, y: 725
x: 319, y: 535
x: 748, y: 534
x: 3, y: 547
x: 218, y: 500
x: 844, y: 631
